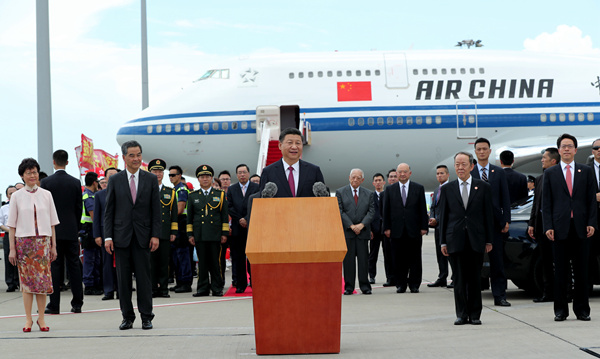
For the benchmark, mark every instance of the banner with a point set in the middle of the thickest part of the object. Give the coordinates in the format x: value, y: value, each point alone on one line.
x: 96, y: 160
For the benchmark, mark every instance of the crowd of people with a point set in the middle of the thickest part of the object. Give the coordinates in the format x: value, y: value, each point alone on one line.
x: 128, y: 224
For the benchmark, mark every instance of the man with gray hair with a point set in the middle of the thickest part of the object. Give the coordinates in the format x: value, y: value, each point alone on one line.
x: 357, y: 211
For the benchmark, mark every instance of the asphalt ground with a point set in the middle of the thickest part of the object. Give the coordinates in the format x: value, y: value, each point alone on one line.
x: 382, y: 325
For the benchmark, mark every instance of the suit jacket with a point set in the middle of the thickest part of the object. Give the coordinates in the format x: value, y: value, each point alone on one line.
x: 66, y: 192
x: 207, y: 216
x: 596, y: 181
x: 460, y: 226
x: 355, y: 213
x: 535, y: 218
x: 99, y: 207
x: 123, y: 218
x: 249, y: 211
x: 377, y: 223
x: 309, y: 174
x: 411, y: 217
x: 168, y: 213
x: 500, y: 195
x: 557, y: 204
x: 517, y: 185
x: 238, y: 205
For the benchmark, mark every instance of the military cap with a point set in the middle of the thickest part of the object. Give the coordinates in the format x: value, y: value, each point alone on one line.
x: 204, y: 170
x: 157, y: 164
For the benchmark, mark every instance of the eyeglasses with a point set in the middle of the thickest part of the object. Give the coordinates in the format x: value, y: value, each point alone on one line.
x: 33, y: 173
x: 596, y: 148
x: 173, y: 174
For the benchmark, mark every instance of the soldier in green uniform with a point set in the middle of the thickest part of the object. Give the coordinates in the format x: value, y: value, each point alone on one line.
x: 159, y: 259
x: 207, y: 228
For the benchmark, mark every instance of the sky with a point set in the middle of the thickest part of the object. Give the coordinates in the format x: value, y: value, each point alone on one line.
x: 95, y: 50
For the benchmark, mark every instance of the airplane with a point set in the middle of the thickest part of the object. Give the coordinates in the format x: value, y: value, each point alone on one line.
x: 373, y: 110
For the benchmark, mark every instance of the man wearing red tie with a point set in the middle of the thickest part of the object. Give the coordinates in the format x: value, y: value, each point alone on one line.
x: 569, y: 211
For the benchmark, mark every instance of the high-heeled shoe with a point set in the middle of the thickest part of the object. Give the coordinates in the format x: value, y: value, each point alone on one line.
x: 43, y: 329
x: 26, y: 330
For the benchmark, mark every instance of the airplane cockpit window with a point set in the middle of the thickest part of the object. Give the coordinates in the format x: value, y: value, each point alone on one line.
x: 215, y: 74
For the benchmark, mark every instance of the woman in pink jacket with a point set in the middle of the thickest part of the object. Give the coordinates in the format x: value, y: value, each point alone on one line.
x: 31, y: 221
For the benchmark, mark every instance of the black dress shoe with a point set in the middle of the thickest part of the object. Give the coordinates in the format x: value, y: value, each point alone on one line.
x: 109, y: 297
x: 368, y: 291
x: 51, y: 311
x: 76, y: 310
x: 437, y: 283
x: 11, y: 289
x: 388, y: 284
x: 240, y: 290
x: 414, y: 290
x: 146, y: 324
x: 560, y: 318
x: 371, y: 280
x: 200, y: 294
x: 585, y: 318
x: 460, y: 321
x: 217, y: 294
x: 543, y: 299
x: 475, y: 321
x: 164, y: 294
x: 348, y: 292
x: 174, y: 288
x: 451, y: 285
x: 184, y: 289
x: 126, y: 324
x: 501, y: 303
x: 401, y: 290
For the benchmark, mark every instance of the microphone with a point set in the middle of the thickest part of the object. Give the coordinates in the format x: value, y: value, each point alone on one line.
x: 270, y: 190
x: 320, y: 190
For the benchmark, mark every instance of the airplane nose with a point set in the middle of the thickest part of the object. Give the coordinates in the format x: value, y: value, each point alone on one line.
x: 124, y: 135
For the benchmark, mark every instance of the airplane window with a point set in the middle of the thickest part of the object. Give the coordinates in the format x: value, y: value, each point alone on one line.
x: 234, y: 125
x: 361, y: 121
x: 225, y: 126
x: 562, y: 117
x: 580, y: 117
x: 552, y: 117
x: 225, y: 74
x: 348, y: 73
x: 177, y: 128
x: 367, y: 72
x: 434, y: 71
x: 158, y: 128
x: 481, y: 70
x: 310, y: 74
x: 438, y: 120
x: 571, y: 117
x: 419, y: 120
x: 390, y: 121
x: 471, y: 119
x: 253, y: 125
x: 463, y: 71
x: 301, y: 75
x: 320, y: 73
x: 149, y: 129
x: 216, y: 74
x: 168, y: 128
x: 244, y: 125
x: 444, y: 71
x: 215, y: 126
x: 543, y: 117
x: 350, y: 122
x: 196, y: 127
x: 205, y: 127
x: 371, y: 121
x: 329, y: 73
x: 472, y: 70
x: 590, y: 116
x: 415, y: 72
x: 377, y: 72
x: 380, y: 121
x: 399, y: 120
x: 424, y: 71
x: 206, y: 75
x: 291, y: 75
x: 409, y: 120
x: 357, y: 72
x: 428, y: 120
x: 186, y: 127
x: 453, y: 71
x: 339, y: 73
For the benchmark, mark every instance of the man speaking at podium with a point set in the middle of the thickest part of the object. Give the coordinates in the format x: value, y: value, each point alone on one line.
x: 293, y: 177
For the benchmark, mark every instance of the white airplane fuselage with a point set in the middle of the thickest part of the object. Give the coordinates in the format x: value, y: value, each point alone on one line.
x: 418, y: 107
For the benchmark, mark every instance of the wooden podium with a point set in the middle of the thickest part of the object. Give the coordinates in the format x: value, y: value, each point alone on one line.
x: 296, y: 247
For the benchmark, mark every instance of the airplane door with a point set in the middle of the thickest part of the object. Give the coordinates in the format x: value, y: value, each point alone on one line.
x: 466, y: 119
x: 395, y: 71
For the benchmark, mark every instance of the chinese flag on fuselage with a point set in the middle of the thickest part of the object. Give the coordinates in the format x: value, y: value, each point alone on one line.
x: 354, y: 91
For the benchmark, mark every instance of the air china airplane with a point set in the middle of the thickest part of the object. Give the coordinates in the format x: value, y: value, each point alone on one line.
x: 374, y: 110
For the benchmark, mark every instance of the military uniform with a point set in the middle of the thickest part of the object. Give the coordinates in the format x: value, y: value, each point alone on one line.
x: 207, y: 221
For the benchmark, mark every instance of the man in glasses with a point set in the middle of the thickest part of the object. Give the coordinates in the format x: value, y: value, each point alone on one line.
x: 181, y: 254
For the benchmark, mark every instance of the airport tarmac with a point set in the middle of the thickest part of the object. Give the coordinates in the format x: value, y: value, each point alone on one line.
x: 382, y: 325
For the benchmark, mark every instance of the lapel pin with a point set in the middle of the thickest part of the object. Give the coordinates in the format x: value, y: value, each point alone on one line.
x: 579, y: 170
x: 492, y: 170
x: 475, y: 187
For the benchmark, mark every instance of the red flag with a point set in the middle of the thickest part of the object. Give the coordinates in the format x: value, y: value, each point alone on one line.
x: 354, y: 91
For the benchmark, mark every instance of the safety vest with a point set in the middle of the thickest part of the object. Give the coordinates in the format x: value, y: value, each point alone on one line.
x: 85, y: 216
x: 182, y: 188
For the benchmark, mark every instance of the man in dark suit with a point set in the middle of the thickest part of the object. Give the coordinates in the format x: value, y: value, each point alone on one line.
x: 569, y: 209
x: 293, y: 176
x: 441, y: 174
x: 517, y: 182
x: 535, y: 229
x: 595, y: 241
x: 237, y: 200
x: 466, y: 233
x: 405, y: 222
x: 66, y: 192
x: 132, y: 228
x: 378, y: 238
x: 357, y: 211
x: 496, y: 177
x: 109, y: 273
